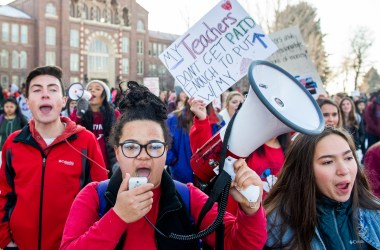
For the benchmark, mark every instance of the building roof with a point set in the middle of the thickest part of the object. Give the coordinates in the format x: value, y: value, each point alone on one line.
x: 161, y: 35
x: 10, y: 11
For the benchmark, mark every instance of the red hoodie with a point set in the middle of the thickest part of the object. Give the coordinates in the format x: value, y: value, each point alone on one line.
x: 46, y: 180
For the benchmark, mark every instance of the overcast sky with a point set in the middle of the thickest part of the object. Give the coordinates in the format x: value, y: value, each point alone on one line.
x: 339, y: 19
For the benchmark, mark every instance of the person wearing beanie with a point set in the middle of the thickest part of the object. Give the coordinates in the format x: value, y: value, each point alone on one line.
x: 99, y: 117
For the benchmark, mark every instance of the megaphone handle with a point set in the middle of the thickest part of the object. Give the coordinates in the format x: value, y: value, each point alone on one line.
x: 251, y: 192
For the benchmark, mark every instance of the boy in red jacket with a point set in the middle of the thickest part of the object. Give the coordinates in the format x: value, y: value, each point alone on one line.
x: 44, y: 166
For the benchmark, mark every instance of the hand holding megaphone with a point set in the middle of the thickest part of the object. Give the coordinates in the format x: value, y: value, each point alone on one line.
x: 252, y: 192
x: 82, y: 106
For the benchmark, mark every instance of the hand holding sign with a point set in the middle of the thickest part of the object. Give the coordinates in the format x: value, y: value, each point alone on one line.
x: 212, y: 56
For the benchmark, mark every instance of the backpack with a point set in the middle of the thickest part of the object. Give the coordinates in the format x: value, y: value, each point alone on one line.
x: 182, y: 189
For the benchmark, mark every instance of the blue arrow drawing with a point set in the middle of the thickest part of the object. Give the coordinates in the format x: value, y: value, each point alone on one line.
x: 258, y: 37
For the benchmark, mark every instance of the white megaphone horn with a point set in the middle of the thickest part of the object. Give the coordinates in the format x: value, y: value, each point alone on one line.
x: 76, y: 92
x: 276, y: 104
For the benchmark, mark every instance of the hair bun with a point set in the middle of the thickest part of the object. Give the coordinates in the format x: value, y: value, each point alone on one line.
x: 138, y: 101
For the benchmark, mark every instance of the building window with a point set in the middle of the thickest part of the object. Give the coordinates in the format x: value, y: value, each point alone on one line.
x: 15, y: 80
x: 50, y: 58
x: 85, y: 12
x: 140, y: 47
x: 4, y: 80
x: 74, y: 62
x: 126, y: 16
x: 74, y: 38
x: 159, y: 50
x: 23, y: 60
x: 15, y: 60
x: 140, y: 25
x: 74, y: 10
x: 50, y: 9
x: 98, y: 56
x: 50, y: 35
x: 124, y: 44
x: 4, y: 58
x: 125, y: 66
x: 5, y: 32
x: 152, y: 69
x: 24, y: 34
x: 154, y: 49
x: 74, y: 79
x: 15, y: 35
x: 140, y: 67
x: 98, y: 14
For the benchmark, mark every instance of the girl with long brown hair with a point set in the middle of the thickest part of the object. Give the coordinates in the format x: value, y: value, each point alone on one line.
x: 321, y: 199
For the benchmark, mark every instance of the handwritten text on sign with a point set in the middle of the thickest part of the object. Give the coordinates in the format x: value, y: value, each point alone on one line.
x: 216, y: 52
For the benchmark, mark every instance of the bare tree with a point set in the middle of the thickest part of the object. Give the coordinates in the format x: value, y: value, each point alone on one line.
x: 305, y: 17
x: 371, y: 81
x: 360, y: 43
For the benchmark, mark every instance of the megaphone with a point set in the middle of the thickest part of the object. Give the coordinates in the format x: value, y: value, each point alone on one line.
x: 76, y: 92
x: 276, y: 104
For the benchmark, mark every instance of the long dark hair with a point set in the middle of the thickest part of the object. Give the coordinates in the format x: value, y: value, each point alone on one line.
x: 292, y: 200
x: 185, y: 116
x: 138, y: 103
x: 108, y: 114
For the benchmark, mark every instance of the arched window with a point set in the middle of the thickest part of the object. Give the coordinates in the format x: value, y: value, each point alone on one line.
x: 15, y: 60
x: 85, y: 11
x: 98, y: 56
x: 140, y: 25
x: 4, y: 58
x: 72, y: 9
x: 50, y: 9
x: 126, y: 16
x: 23, y: 60
x: 98, y: 14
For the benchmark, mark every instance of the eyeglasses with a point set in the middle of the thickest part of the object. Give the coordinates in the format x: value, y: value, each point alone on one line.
x: 132, y: 149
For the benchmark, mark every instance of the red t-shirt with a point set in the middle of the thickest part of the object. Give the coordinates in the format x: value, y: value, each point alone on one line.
x: 267, y: 166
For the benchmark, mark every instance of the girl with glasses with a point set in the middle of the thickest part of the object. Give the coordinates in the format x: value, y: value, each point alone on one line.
x: 142, y: 217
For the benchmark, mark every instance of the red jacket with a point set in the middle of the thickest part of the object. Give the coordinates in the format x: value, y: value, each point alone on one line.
x: 85, y: 230
x: 371, y: 167
x: 38, y: 183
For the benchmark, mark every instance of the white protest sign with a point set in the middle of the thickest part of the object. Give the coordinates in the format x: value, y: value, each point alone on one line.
x: 216, y: 52
x: 152, y: 83
x: 293, y: 57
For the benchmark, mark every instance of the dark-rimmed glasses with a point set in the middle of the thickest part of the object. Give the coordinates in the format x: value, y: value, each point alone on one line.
x: 132, y: 149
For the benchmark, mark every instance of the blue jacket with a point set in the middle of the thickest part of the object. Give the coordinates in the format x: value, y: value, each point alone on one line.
x: 369, y: 230
x: 179, y: 154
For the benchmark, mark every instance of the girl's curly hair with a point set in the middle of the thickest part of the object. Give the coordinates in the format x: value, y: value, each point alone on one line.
x: 138, y: 103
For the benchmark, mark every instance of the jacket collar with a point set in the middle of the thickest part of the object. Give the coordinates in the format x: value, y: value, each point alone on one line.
x: 29, y: 134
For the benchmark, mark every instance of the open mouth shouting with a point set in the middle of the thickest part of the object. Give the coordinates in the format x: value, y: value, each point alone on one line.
x: 343, y: 187
x: 142, y: 172
x: 45, y: 109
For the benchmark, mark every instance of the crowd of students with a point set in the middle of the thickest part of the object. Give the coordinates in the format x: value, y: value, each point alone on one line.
x: 314, y: 192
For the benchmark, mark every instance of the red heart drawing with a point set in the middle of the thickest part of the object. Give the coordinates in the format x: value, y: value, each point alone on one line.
x: 227, y: 5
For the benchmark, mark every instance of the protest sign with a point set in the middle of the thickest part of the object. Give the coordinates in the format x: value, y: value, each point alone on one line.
x: 292, y: 56
x: 152, y: 83
x: 216, y: 52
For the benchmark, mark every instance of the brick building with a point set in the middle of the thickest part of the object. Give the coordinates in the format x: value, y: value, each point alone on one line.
x: 88, y: 39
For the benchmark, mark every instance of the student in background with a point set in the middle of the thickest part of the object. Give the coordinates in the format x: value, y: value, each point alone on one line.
x: 331, y: 112
x: 372, y: 119
x: 99, y: 118
x: 233, y: 100
x: 11, y: 120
